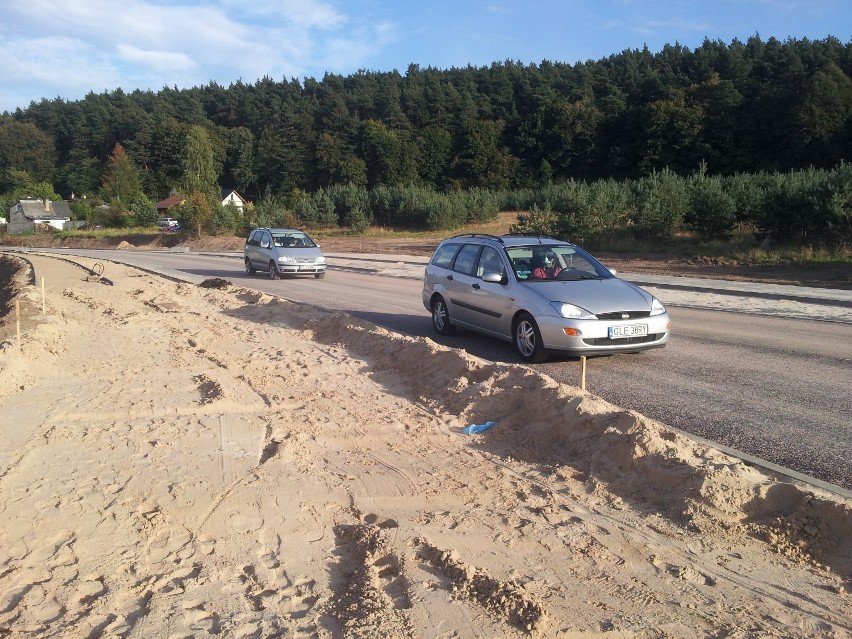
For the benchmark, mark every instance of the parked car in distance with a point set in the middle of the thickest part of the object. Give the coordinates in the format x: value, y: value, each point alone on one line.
x: 168, y: 224
x: 283, y: 252
x: 540, y: 293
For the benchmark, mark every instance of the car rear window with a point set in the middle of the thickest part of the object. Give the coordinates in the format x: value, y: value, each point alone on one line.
x: 444, y: 255
x: 466, y: 259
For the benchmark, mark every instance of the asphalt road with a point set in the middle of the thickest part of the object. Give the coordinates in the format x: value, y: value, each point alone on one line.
x: 774, y: 388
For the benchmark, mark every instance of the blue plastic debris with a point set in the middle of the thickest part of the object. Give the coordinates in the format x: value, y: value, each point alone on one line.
x: 478, y: 428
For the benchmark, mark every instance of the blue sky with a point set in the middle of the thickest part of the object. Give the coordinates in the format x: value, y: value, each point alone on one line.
x: 67, y: 48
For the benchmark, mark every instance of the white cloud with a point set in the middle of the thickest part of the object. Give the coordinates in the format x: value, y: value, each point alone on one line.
x: 54, y: 67
x: 356, y: 47
x: 163, y: 60
x: 302, y: 13
x: 68, y: 47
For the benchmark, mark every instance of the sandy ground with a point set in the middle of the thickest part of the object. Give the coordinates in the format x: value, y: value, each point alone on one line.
x: 182, y: 461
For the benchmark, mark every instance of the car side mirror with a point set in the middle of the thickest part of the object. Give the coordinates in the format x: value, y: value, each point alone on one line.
x: 264, y: 245
x: 613, y: 271
x: 494, y: 278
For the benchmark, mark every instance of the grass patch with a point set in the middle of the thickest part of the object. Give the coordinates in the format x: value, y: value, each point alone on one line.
x: 496, y: 227
x: 108, y: 232
x: 740, y: 246
x: 682, y: 244
x: 797, y: 255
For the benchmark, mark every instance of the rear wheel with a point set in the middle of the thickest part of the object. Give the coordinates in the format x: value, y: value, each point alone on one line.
x: 441, y: 317
x: 273, y: 271
x: 528, y: 340
x: 250, y: 270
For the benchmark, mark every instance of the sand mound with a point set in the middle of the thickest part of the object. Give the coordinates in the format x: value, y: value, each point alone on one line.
x: 184, y: 460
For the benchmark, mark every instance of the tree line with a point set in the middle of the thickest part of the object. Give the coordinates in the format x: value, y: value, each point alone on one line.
x: 427, y: 147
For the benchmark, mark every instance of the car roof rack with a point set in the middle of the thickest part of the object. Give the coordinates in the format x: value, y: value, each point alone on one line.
x: 541, y: 236
x: 487, y: 235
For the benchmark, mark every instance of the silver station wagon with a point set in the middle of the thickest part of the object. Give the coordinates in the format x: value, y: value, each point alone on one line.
x: 283, y: 251
x: 540, y: 293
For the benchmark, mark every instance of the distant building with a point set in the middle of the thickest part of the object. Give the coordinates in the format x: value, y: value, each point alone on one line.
x: 30, y: 215
x: 230, y: 196
x: 163, y: 206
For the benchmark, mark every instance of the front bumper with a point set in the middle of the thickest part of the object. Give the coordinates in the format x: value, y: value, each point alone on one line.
x: 593, y: 335
x: 301, y: 269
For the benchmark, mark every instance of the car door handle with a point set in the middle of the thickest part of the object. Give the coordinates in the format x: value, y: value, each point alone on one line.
x: 449, y: 277
x: 476, y: 286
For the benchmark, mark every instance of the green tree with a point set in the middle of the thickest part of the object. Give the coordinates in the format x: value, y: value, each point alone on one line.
x: 144, y: 212
x: 568, y: 134
x: 226, y: 219
x: 712, y: 212
x: 121, y: 182
x: 25, y: 147
x: 825, y: 114
x: 673, y: 129
x: 195, y: 213
x: 242, y: 161
x: 82, y: 174
x: 337, y: 163
x: 159, y: 149
x: 200, y: 173
x: 435, y: 150
x: 661, y: 203
x: 537, y: 220
x: 21, y: 186
x: 390, y: 159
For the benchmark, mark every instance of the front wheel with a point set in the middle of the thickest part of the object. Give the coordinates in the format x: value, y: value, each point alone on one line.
x: 273, y: 271
x: 528, y: 340
x: 319, y: 276
x: 441, y: 317
x: 250, y: 270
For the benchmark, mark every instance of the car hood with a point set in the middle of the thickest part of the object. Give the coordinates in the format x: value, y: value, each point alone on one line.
x: 596, y: 296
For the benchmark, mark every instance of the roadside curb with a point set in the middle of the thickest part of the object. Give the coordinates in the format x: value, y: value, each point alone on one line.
x: 802, y: 297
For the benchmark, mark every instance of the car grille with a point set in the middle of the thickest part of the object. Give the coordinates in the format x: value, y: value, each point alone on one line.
x: 605, y: 341
x: 305, y: 260
x: 620, y: 315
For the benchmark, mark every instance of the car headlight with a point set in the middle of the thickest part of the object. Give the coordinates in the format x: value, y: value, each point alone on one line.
x: 570, y: 311
x: 657, y: 307
x: 321, y: 259
x: 287, y: 259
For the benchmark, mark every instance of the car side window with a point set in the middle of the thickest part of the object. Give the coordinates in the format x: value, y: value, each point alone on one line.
x: 444, y: 255
x: 265, y: 240
x: 466, y: 259
x: 489, y: 262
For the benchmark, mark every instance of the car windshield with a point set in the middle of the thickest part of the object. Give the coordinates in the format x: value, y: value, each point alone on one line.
x: 292, y: 240
x: 557, y: 262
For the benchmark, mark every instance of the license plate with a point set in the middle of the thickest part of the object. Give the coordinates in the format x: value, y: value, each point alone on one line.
x: 628, y: 330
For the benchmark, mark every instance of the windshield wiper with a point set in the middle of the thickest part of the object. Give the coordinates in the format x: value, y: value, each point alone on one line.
x: 579, y: 276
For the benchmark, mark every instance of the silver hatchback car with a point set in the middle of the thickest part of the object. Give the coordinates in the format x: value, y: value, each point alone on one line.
x: 540, y: 293
x: 283, y: 251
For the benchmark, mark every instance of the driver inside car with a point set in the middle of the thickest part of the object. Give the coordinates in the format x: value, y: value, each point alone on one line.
x: 546, y: 267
